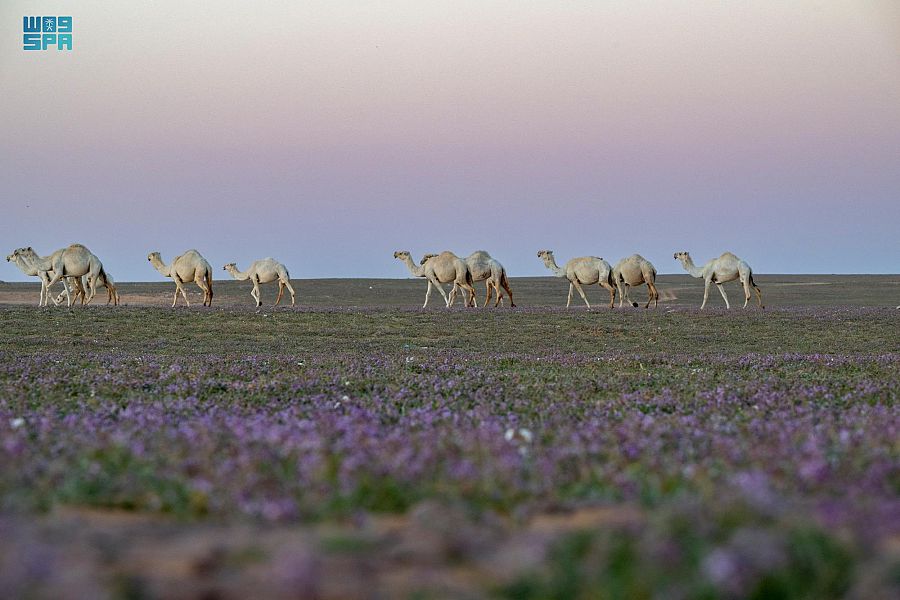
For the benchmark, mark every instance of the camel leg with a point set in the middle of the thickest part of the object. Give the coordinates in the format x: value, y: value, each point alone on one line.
x: 724, y: 295
x: 287, y: 284
x: 705, y: 293
x: 472, y: 292
x: 453, y: 291
x: 427, y: 295
x: 581, y: 291
x: 179, y: 287
x: 612, y: 294
x: 499, y: 292
x: 448, y: 301
x: 280, y: 292
x: 255, y: 293
x: 652, y: 295
x: 488, y: 289
x: 505, y: 285
x: 758, y: 296
x: 746, y: 285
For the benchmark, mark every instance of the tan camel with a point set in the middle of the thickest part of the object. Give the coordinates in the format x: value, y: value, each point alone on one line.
x: 586, y: 270
x: 488, y: 269
x: 266, y: 270
x: 727, y: 267
x: 75, y: 261
x: 632, y: 271
x: 446, y: 267
x: 186, y: 268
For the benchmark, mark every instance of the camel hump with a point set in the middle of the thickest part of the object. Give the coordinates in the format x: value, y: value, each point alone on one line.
x: 729, y: 255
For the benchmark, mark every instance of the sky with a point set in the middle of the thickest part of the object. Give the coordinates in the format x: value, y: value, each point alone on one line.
x: 330, y: 134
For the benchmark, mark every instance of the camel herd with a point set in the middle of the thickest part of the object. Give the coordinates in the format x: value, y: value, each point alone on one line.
x: 629, y: 272
x: 81, y: 272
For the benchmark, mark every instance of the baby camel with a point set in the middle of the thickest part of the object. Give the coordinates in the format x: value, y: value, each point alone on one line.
x: 186, y: 268
x: 727, y: 267
x: 265, y: 270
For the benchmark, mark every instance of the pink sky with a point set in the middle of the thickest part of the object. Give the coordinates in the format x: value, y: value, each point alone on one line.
x: 329, y: 134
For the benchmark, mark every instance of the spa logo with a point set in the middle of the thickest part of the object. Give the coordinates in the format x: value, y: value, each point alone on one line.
x: 43, y: 33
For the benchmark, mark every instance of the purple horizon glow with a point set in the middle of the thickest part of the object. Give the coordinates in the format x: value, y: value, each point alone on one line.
x: 330, y: 134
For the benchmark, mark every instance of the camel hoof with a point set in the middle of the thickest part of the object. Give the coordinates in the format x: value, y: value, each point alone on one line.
x: 634, y: 304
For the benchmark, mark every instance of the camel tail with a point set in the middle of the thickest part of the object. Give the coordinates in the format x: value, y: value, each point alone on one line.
x: 209, y: 282
x: 469, y: 279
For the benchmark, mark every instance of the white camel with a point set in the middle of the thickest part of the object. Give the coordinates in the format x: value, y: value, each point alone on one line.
x: 22, y: 258
x: 486, y: 268
x: 75, y: 261
x: 727, y: 267
x: 186, y: 268
x: 446, y: 267
x: 586, y: 270
x: 633, y: 271
x: 265, y: 270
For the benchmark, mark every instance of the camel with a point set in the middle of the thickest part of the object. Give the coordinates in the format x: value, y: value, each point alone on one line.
x: 488, y: 269
x: 635, y: 270
x: 21, y: 257
x: 586, y: 270
x: 75, y: 261
x: 266, y: 270
x: 446, y: 267
x: 727, y: 267
x: 186, y: 268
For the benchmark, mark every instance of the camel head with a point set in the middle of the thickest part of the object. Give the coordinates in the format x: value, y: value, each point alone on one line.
x: 426, y: 257
x: 682, y: 256
x: 230, y: 267
x: 402, y: 254
x: 545, y: 253
x: 23, y: 252
x: 155, y: 255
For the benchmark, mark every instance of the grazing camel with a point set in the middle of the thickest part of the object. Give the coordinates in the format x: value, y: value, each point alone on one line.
x: 186, y: 268
x: 266, y: 270
x: 632, y: 271
x: 727, y: 267
x: 75, y: 261
x: 488, y: 269
x: 586, y: 270
x: 446, y: 267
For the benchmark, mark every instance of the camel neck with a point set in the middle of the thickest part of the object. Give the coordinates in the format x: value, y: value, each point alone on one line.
x: 239, y: 275
x: 416, y: 270
x: 550, y: 263
x: 160, y: 266
x: 691, y: 268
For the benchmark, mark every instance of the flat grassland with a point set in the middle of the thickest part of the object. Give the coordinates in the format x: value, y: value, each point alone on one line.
x: 357, y: 446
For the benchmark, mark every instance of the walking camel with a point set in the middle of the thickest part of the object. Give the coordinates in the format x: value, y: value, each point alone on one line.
x: 727, y: 267
x: 586, y: 270
x: 265, y: 270
x: 633, y: 271
x: 23, y: 259
x: 186, y: 268
x: 446, y: 267
x: 64, y: 264
x: 486, y: 268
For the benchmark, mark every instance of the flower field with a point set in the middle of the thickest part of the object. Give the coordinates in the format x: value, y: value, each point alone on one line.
x: 527, y: 454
